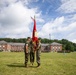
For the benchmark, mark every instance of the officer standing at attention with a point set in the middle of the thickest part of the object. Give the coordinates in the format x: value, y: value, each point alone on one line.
x: 32, y: 52
x: 38, y: 52
x: 27, y: 50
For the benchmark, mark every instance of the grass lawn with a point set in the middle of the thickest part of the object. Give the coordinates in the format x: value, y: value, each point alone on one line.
x: 12, y: 63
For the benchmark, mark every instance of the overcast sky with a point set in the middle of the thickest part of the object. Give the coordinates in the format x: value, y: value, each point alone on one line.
x: 54, y: 17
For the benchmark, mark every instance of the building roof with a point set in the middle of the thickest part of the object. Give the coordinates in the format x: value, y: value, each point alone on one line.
x: 44, y: 44
x: 3, y: 42
x: 17, y: 44
x: 55, y: 43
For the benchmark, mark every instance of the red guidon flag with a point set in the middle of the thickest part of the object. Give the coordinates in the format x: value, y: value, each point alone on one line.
x: 34, y: 33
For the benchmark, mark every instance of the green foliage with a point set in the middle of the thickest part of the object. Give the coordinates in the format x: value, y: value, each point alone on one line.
x: 63, y: 47
x: 12, y: 63
x: 20, y: 40
x: 67, y: 45
x: 74, y: 44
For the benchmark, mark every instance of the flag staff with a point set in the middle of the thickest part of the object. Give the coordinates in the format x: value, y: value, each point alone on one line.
x: 34, y: 38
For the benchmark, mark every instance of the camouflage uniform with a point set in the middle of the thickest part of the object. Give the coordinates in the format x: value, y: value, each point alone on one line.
x: 27, y: 52
x: 31, y: 52
x: 38, y: 52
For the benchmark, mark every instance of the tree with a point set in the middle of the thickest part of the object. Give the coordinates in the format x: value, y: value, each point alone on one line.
x: 69, y: 47
x: 63, y: 47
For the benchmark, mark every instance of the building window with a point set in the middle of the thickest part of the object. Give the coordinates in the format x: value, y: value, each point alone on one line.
x: 56, y: 47
x: 53, y: 47
x: 59, y: 47
x: 0, y: 45
x: 3, y: 46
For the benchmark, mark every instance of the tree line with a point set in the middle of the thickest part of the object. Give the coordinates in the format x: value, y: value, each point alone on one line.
x: 66, y: 45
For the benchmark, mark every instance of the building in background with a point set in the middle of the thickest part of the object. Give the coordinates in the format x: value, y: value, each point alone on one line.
x: 45, y: 48
x: 3, y: 46
x: 55, y: 47
x: 16, y: 47
x: 11, y: 47
x: 19, y: 47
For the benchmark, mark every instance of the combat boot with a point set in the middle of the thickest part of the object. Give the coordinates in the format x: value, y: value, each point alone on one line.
x: 25, y: 65
x: 38, y: 65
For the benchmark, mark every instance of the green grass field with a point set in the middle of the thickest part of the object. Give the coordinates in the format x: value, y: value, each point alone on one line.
x: 12, y: 63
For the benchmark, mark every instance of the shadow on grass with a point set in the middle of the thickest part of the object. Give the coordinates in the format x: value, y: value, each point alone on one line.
x: 20, y: 65
x: 16, y: 65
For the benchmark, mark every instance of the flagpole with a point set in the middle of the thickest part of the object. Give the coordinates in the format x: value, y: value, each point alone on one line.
x: 35, y: 43
x: 34, y: 37
x: 34, y: 17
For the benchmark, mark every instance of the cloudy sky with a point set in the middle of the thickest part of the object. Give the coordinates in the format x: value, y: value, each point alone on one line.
x: 54, y: 17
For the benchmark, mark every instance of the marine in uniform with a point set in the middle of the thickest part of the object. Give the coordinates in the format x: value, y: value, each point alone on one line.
x: 32, y: 54
x: 38, y: 52
x: 27, y: 50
